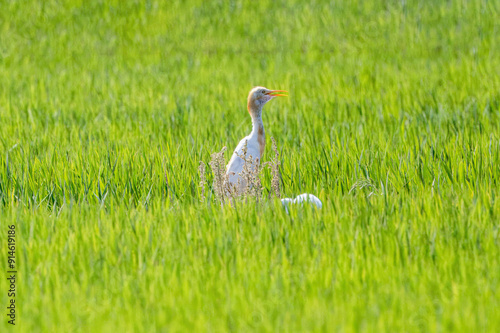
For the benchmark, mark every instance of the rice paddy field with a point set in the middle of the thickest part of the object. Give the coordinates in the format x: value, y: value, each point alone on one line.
x: 392, y: 120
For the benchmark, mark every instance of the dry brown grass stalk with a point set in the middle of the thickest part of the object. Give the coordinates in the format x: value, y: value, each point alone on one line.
x: 274, y: 165
x: 218, y: 168
x: 203, y: 179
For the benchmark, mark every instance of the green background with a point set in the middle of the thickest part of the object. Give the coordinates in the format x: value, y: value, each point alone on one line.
x: 107, y: 108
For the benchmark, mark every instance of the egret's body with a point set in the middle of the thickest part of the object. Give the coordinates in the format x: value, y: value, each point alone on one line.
x: 301, y: 199
x: 255, y: 142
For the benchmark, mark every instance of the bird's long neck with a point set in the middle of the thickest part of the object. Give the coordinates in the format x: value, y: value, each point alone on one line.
x: 258, y: 128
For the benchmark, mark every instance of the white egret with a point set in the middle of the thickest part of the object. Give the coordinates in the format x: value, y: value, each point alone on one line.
x: 301, y: 199
x: 255, y: 141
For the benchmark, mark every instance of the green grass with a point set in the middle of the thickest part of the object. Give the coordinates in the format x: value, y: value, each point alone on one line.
x: 106, y: 109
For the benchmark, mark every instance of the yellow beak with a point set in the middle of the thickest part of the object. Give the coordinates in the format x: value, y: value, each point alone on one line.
x: 275, y: 93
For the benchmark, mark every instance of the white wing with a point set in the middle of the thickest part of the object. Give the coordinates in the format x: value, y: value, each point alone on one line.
x: 304, y: 197
x: 235, y: 165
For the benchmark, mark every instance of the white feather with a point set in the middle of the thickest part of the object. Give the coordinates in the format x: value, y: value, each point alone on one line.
x: 236, y: 163
x: 300, y: 199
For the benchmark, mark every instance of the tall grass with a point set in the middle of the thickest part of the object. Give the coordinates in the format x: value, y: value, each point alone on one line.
x: 107, y: 109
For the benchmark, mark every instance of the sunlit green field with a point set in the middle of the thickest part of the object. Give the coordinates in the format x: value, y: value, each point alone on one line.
x: 393, y: 121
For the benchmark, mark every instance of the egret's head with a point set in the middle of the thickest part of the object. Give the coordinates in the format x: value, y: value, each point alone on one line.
x: 259, y: 96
